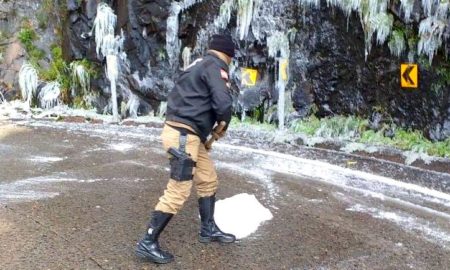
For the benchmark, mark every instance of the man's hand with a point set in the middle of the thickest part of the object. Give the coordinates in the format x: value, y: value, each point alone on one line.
x: 218, y: 132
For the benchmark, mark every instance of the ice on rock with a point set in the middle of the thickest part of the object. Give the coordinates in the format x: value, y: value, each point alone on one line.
x: 133, y: 106
x: 382, y: 24
x: 428, y: 5
x: 104, y: 26
x: 245, y: 16
x: 81, y: 77
x: 278, y: 42
x: 110, y: 47
x: 407, y: 7
x: 49, y: 96
x: 224, y: 17
x: 172, y: 41
x: 431, y: 30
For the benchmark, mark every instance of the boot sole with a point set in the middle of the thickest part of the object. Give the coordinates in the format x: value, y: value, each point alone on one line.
x: 148, y: 257
x: 206, y: 240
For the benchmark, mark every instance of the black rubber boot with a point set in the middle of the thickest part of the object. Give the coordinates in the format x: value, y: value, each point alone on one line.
x: 209, y: 231
x: 148, y: 248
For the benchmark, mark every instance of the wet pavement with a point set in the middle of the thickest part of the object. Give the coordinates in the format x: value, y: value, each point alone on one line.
x: 78, y: 196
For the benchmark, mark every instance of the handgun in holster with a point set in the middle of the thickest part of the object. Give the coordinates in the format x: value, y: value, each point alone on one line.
x: 181, y: 163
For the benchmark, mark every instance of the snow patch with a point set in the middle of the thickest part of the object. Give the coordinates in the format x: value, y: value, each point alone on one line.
x: 410, y: 223
x: 353, y: 147
x: 122, y: 147
x: 288, y: 164
x: 22, y: 190
x: 42, y: 159
x: 263, y: 176
x: 241, y: 215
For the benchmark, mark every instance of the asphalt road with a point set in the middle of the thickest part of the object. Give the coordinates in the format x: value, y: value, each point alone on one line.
x: 78, y: 196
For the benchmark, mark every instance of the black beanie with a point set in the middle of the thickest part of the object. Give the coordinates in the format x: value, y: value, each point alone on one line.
x: 222, y: 43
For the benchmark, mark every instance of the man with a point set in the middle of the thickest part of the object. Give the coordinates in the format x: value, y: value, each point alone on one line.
x: 200, y: 99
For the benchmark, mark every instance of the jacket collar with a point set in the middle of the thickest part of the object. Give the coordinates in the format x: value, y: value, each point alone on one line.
x: 219, y: 61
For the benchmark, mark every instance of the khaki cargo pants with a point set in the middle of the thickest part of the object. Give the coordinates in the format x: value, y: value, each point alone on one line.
x: 205, y: 177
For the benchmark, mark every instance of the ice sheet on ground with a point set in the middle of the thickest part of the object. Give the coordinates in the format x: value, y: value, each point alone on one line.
x: 241, y: 215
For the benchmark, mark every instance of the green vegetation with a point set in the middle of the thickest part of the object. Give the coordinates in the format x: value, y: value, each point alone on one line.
x: 71, y: 84
x: 355, y: 129
x: 42, y: 19
x: 58, y: 69
x: 27, y: 36
x: 345, y: 128
x: 253, y: 123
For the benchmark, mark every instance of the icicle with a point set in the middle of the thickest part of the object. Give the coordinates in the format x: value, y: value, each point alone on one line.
x: 407, y: 6
x: 382, y: 24
x: 112, y: 73
x: 310, y: 3
x: 278, y: 43
x: 172, y: 41
x: 224, y: 14
x: 442, y: 10
x: 162, y: 109
x: 133, y: 105
x: 109, y: 46
x: 187, y: 51
x: 49, y: 96
x: 245, y: 15
x: 28, y: 82
x: 428, y: 5
x: 104, y: 25
x: 267, y: 18
x: 80, y: 77
x: 431, y: 30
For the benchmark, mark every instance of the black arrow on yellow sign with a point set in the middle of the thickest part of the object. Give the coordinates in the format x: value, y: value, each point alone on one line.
x: 409, y: 75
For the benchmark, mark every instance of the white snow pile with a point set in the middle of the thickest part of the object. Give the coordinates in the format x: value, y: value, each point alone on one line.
x: 241, y: 215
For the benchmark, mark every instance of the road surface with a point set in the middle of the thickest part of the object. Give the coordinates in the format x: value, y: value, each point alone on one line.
x: 78, y: 196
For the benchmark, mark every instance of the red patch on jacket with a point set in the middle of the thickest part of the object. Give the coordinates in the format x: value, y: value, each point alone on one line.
x: 224, y: 74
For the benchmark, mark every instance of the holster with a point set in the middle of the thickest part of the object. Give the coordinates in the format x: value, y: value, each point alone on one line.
x: 181, y: 164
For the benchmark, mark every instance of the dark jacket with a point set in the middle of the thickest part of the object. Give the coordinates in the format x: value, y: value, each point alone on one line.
x: 201, y: 96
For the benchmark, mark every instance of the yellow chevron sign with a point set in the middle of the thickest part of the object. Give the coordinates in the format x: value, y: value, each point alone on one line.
x: 249, y: 76
x: 409, y: 75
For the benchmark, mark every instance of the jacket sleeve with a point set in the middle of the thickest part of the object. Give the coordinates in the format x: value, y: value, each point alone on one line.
x: 221, y: 98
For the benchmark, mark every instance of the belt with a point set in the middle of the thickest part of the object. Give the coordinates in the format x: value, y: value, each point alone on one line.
x: 183, y: 130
